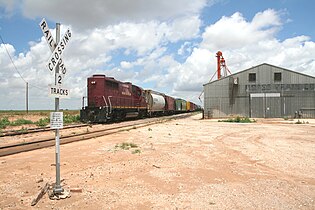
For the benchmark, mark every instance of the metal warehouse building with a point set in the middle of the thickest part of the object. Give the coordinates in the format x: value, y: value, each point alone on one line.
x: 263, y: 91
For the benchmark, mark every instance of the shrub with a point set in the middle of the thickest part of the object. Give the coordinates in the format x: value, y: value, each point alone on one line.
x: 126, y: 146
x: 137, y: 151
x: 238, y: 119
x: 43, y: 122
x: 67, y: 119
x: 4, y: 122
x: 21, y: 122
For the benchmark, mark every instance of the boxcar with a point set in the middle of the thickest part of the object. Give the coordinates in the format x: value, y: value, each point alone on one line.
x: 184, y: 105
x: 170, y: 105
x: 180, y: 105
x: 188, y: 105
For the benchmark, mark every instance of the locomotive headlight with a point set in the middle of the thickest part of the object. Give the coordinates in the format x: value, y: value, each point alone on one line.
x: 93, y: 82
x: 100, y: 107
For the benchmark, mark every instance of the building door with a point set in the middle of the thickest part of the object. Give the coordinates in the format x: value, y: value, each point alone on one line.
x: 273, y: 107
x: 265, y: 105
x: 257, y: 107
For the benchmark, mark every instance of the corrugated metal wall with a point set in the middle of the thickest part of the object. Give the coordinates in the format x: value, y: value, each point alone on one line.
x: 294, y: 92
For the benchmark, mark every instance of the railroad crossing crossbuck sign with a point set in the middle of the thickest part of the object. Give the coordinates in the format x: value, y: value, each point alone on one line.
x: 55, y: 60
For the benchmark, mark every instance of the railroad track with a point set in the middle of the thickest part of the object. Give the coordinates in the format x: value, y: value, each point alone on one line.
x: 43, y: 143
x: 36, y: 130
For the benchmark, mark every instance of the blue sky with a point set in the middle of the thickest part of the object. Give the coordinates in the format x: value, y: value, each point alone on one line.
x: 166, y: 46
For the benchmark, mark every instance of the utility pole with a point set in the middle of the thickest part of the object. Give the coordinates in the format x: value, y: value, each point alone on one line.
x: 27, y: 97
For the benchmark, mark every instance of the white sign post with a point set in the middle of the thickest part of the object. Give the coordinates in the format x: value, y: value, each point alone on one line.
x: 55, y: 62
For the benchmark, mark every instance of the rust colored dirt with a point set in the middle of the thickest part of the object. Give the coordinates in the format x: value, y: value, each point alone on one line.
x: 181, y: 164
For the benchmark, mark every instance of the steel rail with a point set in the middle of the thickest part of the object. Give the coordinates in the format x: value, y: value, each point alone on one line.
x: 36, y: 130
x: 43, y: 143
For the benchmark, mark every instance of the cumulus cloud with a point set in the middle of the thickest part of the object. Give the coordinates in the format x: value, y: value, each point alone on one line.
x: 244, y: 43
x: 236, y: 31
x: 98, y: 13
x: 153, y: 61
x: 91, y: 51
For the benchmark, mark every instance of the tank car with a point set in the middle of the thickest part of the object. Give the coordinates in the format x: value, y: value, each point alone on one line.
x: 109, y: 99
x: 155, y: 103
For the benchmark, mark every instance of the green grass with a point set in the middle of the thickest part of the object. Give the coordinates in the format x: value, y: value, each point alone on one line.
x: 301, y: 122
x: 238, y: 119
x: 69, y: 116
x: 4, y: 122
x: 43, y: 122
x: 22, y: 121
x: 126, y: 146
x: 68, y: 119
x: 46, y: 113
x: 137, y: 151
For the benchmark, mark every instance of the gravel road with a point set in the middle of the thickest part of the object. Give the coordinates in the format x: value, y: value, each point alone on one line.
x: 181, y: 164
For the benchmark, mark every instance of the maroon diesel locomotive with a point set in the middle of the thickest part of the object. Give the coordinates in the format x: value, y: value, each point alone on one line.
x: 112, y: 100
x: 109, y: 99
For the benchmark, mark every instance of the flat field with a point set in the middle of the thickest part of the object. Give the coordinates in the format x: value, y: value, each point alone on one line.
x: 181, y: 164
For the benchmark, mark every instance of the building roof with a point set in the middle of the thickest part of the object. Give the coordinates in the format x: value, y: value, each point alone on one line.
x: 263, y: 64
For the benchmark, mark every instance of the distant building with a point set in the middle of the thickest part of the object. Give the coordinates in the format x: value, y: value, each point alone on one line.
x: 263, y: 91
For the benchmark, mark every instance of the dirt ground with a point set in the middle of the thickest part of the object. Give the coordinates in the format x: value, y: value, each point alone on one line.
x: 181, y: 164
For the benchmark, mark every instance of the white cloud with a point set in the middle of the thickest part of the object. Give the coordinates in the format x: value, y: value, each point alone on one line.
x: 126, y: 65
x: 195, y: 71
x: 235, y: 32
x: 98, y: 13
x: 91, y: 51
x: 184, y: 28
x: 185, y: 48
x: 244, y: 44
x: 151, y: 62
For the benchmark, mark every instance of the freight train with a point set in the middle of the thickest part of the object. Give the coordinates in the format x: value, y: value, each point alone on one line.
x: 112, y: 100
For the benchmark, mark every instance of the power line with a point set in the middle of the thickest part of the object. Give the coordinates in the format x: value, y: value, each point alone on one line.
x: 12, y: 60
